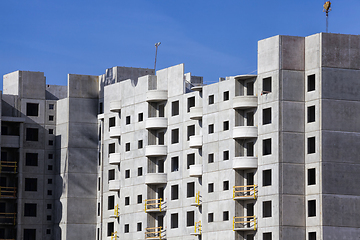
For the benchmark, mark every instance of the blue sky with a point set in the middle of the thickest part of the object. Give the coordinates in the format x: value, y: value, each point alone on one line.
x: 213, y: 38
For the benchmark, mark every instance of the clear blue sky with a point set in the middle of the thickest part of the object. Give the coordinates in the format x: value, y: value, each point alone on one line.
x: 213, y: 38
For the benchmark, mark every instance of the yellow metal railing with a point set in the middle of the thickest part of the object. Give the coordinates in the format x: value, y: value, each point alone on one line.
x: 8, y: 216
x: 245, y: 191
x: 197, y: 198
x: 198, y: 227
x: 6, y: 165
x: 244, y: 222
x: 116, y: 211
x: 114, y: 236
x: 153, y: 204
x: 7, y: 192
x: 153, y: 233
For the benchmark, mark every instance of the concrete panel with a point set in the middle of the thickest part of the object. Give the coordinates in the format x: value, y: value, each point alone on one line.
x: 341, y: 115
x: 340, y: 51
x: 340, y: 178
x: 312, y: 52
x: 293, y: 233
x: 292, y: 178
x: 268, y: 54
x: 293, y: 212
x: 83, y: 86
x: 341, y: 84
x: 336, y: 233
x: 292, y: 116
x: 292, y: 147
x: 32, y: 85
x: 11, y: 83
x: 82, y: 160
x: 83, y: 110
x: 292, y: 54
x: 340, y: 147
x: 83, y: 135
x: 292, y: 85
x: 345, y: 208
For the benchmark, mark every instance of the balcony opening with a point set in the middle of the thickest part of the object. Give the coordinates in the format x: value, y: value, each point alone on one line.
x: 174, y: 164
x: 161, y: 110
x: 190, y: 103
x: 311, y: 114
x: 190, y: 160
x: 312, y: 208
x: 160, y: 164
x: 311, y: 82
x: 101, y: 108
x: 266, y: 209
x: 161, y: 138
x: 190, y: 131
x: 250, y: 88
x: 190, y: 190
x: 211, y: 158
x: 32, y: 109
x: 111, y: 202
x: 175, y: 108
x: 31, y: 184
x: 190, y: 218
x: 239, y: 117
x: 250, y: 149
x: 31, y: 159
x: 267, y: 178
x: 112, y: 122
x: 226, y: 96
x: 267, y: 85
x: 174, y: 219
x: 174, y: 192
x: 249, y: 118
x: 266, y: 146
x: 311, y: 176
x: 239, y: 148
x: 210, y: 217
x: 311, y: 145
x: 111, y: 174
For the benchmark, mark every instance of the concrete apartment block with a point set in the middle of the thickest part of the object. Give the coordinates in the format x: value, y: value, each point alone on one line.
x: 131, y: 154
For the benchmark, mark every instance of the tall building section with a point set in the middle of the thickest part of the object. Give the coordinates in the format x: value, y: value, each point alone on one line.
x: 134, y: 154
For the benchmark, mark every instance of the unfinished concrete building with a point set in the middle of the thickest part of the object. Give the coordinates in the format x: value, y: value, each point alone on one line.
x: 131, y: 154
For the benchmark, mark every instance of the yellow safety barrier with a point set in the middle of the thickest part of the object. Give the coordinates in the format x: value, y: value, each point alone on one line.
x: 153, y: 204
x: 153, y: 233
x: 197, y: 198
x: 198, y: 227
x: 244, y: 222
x: 6, y: 216
x: 6, y: 164
x: 114, y: 236
x: 245, y: 191
x: 116, y: 210
x: 7, y: 192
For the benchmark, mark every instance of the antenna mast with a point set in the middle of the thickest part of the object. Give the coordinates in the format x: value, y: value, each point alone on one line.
x: 327, y: 9
x: 156, y: 45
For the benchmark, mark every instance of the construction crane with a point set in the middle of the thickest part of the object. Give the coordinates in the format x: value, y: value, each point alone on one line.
x: 156, y: 45
x: 327, y: 9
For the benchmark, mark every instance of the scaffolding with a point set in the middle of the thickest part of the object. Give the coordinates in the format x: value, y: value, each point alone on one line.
x: 244, y: 223
x: 153, y: 204
x: 153, y: 233
x: 248, y: 191
x: 7, y: 192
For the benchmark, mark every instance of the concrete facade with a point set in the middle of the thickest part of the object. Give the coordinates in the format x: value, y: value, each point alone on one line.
x: 134, y: 155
